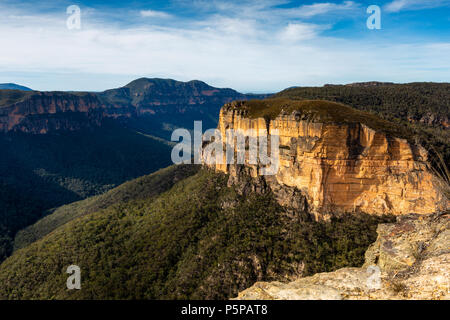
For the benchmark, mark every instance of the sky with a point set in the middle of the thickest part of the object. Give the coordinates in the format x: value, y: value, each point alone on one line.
x: 248, y: 45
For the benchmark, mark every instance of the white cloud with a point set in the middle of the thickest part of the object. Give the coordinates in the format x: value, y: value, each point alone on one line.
x: 396, y: 5
x: 315, y: 9
x: 300, y: 31
x: 270, y: 9
x: 249, y: 54
x: 229, y: 26
x: 154, y: 14
x: 399, y: 5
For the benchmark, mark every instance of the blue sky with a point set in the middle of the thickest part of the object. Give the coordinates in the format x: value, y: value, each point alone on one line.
x: 248, y: 45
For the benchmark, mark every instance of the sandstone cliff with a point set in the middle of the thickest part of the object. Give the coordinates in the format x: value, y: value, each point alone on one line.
x: 40, y: 112
x: 409, y: 260
x: 339, y: 159
x: 157, y: 101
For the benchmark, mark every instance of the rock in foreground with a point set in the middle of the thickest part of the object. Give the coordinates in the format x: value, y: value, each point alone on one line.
x: 409, y: 260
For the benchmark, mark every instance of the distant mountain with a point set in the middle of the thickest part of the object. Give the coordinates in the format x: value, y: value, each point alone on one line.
x: 369, y: 84
x: 362, y: 84
x: 157, y: 106
x: 421, y: 102
x: 13, y: 86
x: 60, y: 147
x: 154, y: 106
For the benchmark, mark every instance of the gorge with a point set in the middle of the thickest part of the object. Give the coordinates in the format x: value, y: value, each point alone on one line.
x: 219, y: 231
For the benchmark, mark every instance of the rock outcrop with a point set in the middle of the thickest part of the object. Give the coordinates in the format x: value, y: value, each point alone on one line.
x: 338, y: 158
x: 409, y: 260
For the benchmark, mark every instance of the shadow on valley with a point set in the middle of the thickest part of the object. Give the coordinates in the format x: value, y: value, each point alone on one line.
x: 198, y: 239
x: 40, y: 172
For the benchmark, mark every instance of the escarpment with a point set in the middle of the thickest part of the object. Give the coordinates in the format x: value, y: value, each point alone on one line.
x: 40, y: 112
x: 164, y: 102
x: 333, y: 158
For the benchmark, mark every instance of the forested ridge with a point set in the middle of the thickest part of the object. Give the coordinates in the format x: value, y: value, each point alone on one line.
x: 185, y: 243
x: 41, y: 172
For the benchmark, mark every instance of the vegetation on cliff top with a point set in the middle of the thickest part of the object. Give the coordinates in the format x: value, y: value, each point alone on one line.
x: 421, y: 108
x: 9, y: 97
x: 322, y: 111
x: 422, y: 102
x: 200, y: 239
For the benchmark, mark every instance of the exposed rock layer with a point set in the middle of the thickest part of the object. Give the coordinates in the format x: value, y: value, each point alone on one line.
x: 409, y: 260
x: 41, y: 112
x: 341, y: 166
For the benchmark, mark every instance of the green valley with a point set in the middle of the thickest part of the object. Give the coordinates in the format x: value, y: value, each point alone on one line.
x: 199, y: 239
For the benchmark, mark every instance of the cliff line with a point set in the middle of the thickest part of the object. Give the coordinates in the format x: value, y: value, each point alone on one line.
x: 337, y: 158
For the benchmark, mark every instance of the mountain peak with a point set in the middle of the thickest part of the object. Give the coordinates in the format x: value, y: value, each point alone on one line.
x: 13, y: 86
x: 145, y: 83
x: 144, y: 80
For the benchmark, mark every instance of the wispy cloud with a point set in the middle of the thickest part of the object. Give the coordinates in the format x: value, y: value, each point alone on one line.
x: 154, y: 14
x: 316, y: 9
x: 271, y: 9
x: 300, y: 31
x: 400, y: 5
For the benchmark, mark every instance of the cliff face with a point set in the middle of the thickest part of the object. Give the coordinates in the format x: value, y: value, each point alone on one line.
x: 41, y: 112
x: 409, y: 260
x: 340, y: 166
x: 175, y: 103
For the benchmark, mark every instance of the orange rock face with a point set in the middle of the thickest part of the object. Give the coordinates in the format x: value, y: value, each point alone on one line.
x: 46, y: 111
x: 343, y: 167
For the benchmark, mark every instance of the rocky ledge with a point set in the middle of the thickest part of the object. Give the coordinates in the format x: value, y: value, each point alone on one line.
x: 409, y: 260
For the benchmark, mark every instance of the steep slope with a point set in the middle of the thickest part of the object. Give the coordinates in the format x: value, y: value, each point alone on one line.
x: 41, y: 112
x: 200, y: 239
x: 161, y: 105
x: 145, y: 187
x: 13, y: 86
x: 154, y: 106
x: 40, y: 172
x: 340, y: 159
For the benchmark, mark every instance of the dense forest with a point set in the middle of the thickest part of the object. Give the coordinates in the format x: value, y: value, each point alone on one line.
x: 145, y: 187
x: 40, y: 172
x: 188, y: 242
